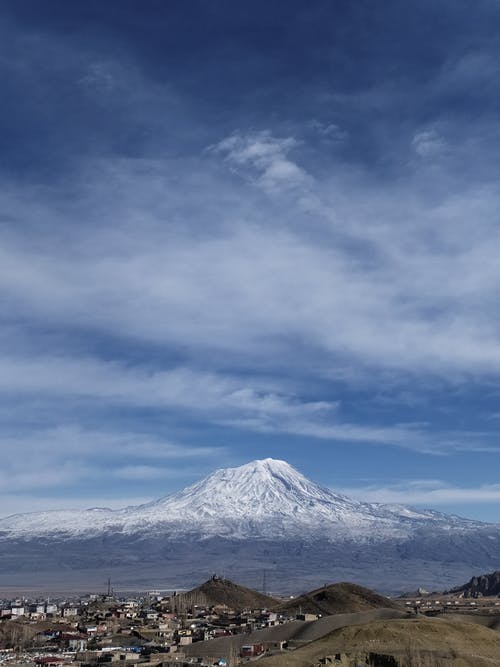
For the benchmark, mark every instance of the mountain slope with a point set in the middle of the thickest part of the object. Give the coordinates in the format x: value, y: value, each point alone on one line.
x: 262, y: 515
x: 262, y: 499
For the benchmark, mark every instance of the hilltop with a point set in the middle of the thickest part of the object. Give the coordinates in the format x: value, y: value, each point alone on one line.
x: 340, y: 598
x: 218, y: 591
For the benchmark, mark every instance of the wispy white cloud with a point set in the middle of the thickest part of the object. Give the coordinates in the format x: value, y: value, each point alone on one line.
x: 330, y: 132
x: 372, y: 286
x: 70, y: 457
x: 35, y: 475
x: 142, y: 279
x: 372, y: 282
x: 251, y: 404
x: 180, y: 387
x: 59, y: 443
x: 264, y: 159
x: 430, y: 493
x: 428, y: 143
x: 473, y: 69
x: 144, y: 473
x: 19, y: 503
x: 103, y: 77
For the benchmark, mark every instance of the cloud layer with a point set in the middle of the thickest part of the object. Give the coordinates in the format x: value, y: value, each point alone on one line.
x: 213, y: 253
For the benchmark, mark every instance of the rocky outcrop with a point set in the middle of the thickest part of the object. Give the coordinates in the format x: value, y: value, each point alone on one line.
x: 483, y: 585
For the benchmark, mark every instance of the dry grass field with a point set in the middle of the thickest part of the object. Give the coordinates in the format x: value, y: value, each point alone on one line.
x: 413, y: 642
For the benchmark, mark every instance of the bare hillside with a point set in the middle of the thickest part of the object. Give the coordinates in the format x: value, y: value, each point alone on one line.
x: 341, y: 598
x: 297, y: 633
x: 415, y: 642
x: 218, y: 591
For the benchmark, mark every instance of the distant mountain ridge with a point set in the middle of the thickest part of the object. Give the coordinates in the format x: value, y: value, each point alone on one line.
x: 261, y: 515
x: 263, y: 498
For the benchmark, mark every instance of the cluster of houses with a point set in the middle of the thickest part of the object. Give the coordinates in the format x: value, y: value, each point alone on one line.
x: 154, y: 630
x: 36, y: 611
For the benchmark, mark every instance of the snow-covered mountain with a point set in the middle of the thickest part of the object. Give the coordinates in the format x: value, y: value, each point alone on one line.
x: 264, y: 514
x: 262, y: 499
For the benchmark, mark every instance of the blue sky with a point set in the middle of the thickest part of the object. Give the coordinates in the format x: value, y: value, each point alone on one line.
x: 234, y: 230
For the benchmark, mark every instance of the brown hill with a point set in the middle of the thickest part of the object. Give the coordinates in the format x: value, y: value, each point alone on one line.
x: 295, y: 633
x: 341, y: 598
x: 217, y: 591
x: 400, y: 643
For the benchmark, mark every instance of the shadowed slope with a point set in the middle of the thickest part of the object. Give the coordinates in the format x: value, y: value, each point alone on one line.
x: 484, y: 585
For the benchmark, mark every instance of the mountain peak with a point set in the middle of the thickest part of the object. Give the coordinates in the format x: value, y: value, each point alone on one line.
x: 266, y: 469
x: 263, y: 479
x: 266, y: 464
x: 270, y: 470
x: 266, y: 492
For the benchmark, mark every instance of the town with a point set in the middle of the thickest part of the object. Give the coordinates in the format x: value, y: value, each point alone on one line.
x: 150, y: 629
x: 218, y: 624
